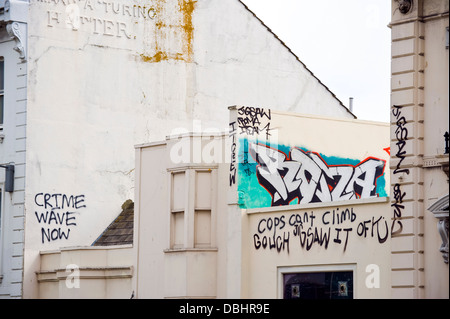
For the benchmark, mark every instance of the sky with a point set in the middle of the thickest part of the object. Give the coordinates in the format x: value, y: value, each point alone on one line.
x: 345, y: 43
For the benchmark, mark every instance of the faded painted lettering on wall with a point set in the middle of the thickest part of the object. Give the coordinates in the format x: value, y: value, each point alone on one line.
x: 121, y: 23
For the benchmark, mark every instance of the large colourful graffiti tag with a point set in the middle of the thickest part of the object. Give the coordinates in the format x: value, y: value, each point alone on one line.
x: 270, y: 177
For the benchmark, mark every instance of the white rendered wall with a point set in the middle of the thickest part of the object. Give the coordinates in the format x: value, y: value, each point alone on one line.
x: 104, y: 76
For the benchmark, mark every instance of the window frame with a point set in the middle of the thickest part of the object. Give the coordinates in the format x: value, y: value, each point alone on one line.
x: 177, y: 214
x: 282, y: 270
x: 1, y: 230
x: 2, y: 92
x: 191, y: 208
x: 446, y: 38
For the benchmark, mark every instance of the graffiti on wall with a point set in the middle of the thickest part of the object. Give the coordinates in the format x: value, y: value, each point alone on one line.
x: 305, y: 230
x: 401, y: 134
x: 306, y: 177
x: 254, y: 121
x: 56, y: 214
x: 272, y: 174
x: 251, y: 121
x: 233, y: 169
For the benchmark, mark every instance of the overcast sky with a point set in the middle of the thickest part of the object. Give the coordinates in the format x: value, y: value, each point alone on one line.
x: 345, y: 43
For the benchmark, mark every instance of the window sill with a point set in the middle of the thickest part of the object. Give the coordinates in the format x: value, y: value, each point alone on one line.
x: 360, y: 201
x: 183, y: 250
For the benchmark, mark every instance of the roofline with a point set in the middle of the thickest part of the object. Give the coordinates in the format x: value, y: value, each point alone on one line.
x: 290, y: 51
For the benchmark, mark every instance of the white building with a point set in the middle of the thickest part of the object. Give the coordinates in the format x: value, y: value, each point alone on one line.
x: 85, y: 81
x: 419, y: 159
x: 13, y: 119
x: 285, y: 205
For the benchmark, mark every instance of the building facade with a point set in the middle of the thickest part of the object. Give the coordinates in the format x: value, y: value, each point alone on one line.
x: 256, y: 203
x: 86, y: 80
x: 419, y: 153
x: 13, y: 120
x: 282, y: 206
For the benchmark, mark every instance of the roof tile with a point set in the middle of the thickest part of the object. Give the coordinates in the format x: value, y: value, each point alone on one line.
x: 120, y: 231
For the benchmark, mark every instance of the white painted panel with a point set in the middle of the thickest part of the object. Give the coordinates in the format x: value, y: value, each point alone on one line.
x: 202, y: 236
x: 203, y: 190
x: 178, y: 191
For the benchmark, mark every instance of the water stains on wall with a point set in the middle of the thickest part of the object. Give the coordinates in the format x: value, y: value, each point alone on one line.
x: 158, y: 30
x: 174, y: 31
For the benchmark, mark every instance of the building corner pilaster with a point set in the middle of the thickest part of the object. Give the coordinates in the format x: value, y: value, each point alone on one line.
x: 407, y: 149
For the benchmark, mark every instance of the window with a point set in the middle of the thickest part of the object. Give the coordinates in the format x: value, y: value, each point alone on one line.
x: 178, y: 196
x: 202, y: 214
x: 1, y: 233
x: 2, y: 90
x: 317, y: 283
x: 191, y: 217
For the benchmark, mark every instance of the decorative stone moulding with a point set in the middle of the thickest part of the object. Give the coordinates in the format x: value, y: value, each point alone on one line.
x: 14, y: 30
x: 440, y: 211
x: 15, y: 16
x: 404, y: 6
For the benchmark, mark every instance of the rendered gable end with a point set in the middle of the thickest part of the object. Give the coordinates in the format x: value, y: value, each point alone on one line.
x: 233, y: 46
x: 104, y: 76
